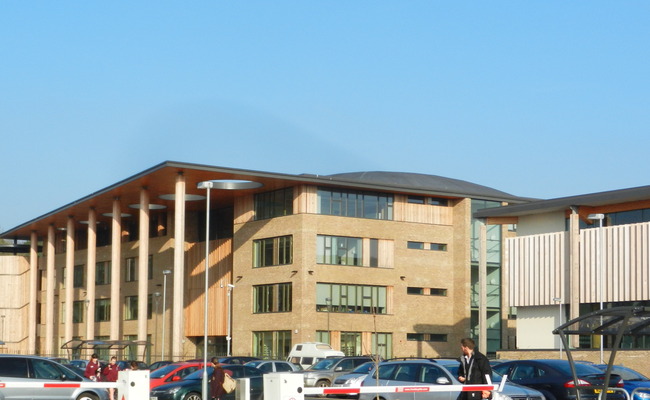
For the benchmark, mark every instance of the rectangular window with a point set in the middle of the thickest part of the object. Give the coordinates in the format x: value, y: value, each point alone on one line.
x: 149, y: 306
x: 277, y: 203
x: 102, y: 310
x: 356, y: 204
x: 272, y: 298
x: 351, y: 343
x: 437, y: 201
x: 130, y: 308
x: 78, y: 308
x: 339, y: 250
x: 273, y: 345
x: 273, y: 251
x: 426, y: 337
x: 323, y: 337
x: 382, y: 344
x: 103, y: 273
x: 414, y: 290
x: 438, y: 292
x: 357, y: 299
x: 131, y: 269
x: 438, y: 246
x: 415, y: 245
x: 150, y: 267
x: 79, y: 276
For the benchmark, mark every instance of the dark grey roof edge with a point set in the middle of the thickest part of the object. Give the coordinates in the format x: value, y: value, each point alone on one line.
x: 564, y: 203
x: 317, y: 179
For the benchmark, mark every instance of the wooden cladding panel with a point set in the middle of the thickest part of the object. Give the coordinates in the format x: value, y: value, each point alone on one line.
x: 421, y: 213
x: 537, y: 270
x: 220, y: 272
x: 538, y: 265
x: 243, y: 209
x: 305, y: 199
x: 623, y: 252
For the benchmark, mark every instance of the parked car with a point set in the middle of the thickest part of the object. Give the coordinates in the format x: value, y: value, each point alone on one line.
x: 25, y: 369
x: 172, y: 373
x: 236, y: 360
x: 631, y: 380
x: 154, y: 366
x: 554, y: 378
x: 126, y: 364
x: 414, y: 372
x: 324, y: 372
x: 267, y: 366
x: 353, y: 379
x: 310, y: 353
x: 190, y: 387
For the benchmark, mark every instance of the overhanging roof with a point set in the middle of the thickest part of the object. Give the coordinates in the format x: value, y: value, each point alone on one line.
x: 564, y: 203
x: 161, y: 179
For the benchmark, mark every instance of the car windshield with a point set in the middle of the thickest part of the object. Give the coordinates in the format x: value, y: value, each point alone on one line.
x: 626, y: 373
x: 160, y: 372
x: 581, y: 369
x: 198, y: 375
x: 363, y: 368
x: 323, y: 364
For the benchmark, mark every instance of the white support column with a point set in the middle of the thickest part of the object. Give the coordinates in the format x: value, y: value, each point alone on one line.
x: 179, y: 269
x: 574, y: 270
x: 91, y: 268
x: 116, y: 254
x: 33, y: 295
x: 143, y: 265
x: 49, y: 292
x: 482, y: 284
x: 69, y: 279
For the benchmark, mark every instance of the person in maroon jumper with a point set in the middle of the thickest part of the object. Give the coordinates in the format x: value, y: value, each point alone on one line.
x: 216, y: 380
x: 92, y: 368
x: 110, y: 375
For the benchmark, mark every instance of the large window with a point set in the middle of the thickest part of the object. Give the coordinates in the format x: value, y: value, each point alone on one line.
x: 130, y: 308
x: 79, y: 276
x: 382, y: 344
x: 333, y: 297
x: 277, y: 203
x: 355, y: 204
x: 273, y: 345
x: 131, y: 270
x: 78, y: 308
x: 273, y: 251
x: 351, y: 343
x: 102, y: 310
x: 339, y: 250
x: 103, y: 273
x: 272, y: 298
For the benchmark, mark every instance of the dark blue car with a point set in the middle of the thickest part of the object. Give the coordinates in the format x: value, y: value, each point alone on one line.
x: 631, y: 380
x: 554, y: 379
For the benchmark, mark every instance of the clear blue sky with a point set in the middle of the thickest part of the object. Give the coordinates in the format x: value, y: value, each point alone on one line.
x: 535, y: 98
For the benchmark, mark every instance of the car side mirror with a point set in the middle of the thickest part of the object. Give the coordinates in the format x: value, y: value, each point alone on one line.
x: 443, y: 381
x: 176, y: 378
x: 338, y: 369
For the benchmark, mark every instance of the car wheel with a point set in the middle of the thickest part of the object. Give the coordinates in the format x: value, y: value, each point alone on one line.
x: 192, y: 396
x: 323, y: 383
x: 88, y: 396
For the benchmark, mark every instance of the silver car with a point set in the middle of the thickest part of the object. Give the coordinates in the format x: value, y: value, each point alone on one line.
x: 323, y: 373
x: 418, y: 372
x: 267, y: 366
x: 23, y: 369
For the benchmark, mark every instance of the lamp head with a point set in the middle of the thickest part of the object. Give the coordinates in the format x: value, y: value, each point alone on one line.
x: 167, y: 271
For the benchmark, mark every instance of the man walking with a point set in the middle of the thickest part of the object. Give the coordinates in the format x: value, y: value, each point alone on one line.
x: 474, y: 366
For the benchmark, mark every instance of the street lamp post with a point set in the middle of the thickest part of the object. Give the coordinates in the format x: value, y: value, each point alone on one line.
x: 208, y: 185
x: 156, y: 300
x: 228, y: 329
x: 559, y: 301
x: 601, y: 272
x: 165, y: 273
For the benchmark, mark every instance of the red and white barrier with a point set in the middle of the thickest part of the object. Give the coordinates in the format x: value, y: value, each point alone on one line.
x: 288, y: 386
x: 131, y: 385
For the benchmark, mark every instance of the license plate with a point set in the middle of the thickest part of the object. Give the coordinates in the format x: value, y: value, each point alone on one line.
x: 597, y: 391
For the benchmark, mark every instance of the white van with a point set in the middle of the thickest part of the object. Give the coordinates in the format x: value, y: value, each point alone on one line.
x: 308, y: 354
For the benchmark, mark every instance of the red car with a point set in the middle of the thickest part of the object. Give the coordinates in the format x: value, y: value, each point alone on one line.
x: 173, y: 372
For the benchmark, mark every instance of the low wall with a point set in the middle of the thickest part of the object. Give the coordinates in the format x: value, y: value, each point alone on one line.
x: 635, y: 359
